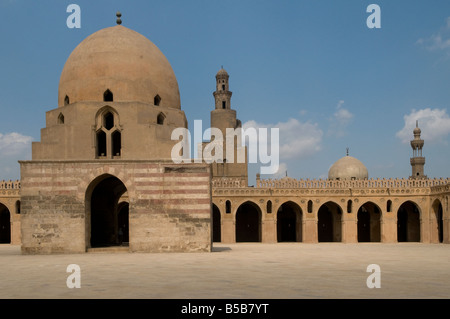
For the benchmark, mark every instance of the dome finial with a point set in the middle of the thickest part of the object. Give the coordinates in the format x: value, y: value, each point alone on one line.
x: 347, y: 150
x: 119, y: 20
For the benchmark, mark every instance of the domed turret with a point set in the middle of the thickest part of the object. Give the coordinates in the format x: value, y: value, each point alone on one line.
x: 348, y: 168
x: 123, y: 62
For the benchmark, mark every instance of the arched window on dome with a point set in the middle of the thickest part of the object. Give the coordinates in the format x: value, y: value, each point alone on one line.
x: 108, y: 133
x: 60, y: 118
x: 157, y: 100
x: 108, y: 96
x: 66, y: 100
x: 160, y: 119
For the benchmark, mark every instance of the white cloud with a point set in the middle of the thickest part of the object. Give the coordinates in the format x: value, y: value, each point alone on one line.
x: 13, y: 147
x: 439, y: 40
x: 282, y: 169
x: 13, y: 144
x: 340, y: 120
x: 434, y: 124
x: 297, y: 139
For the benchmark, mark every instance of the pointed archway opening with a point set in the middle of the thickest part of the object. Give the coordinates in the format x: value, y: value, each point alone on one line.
x: 216, y: 224
x: 408, y: 223
x: 289, y: 222
x: 105, y: 216
x: 369, y: 223
x: 438, y: 222
x: 329, y: 223
x: 248, y: 223
x: 5, y: 225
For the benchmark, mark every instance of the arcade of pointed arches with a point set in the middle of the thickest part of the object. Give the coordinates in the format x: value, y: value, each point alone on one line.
x: 287, y: 219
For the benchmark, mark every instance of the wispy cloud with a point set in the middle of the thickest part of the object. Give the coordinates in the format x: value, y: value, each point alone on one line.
x: 434, y: 124
x: 341, y: 118
x: 297, y: 139
x: 439, y: 41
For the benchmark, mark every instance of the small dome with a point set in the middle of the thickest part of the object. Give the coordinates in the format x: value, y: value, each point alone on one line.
x: 348, y: 168
x: 122, y: 61
x: 222, y: 72
x: 417, y: 131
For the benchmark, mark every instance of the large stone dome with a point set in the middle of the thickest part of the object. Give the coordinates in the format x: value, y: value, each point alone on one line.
x: 348, y: 168
x: 122, y: 61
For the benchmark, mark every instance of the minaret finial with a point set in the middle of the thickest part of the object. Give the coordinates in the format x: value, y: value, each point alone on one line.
x: 417, y: 123
x: 347, y: 150
x: 119, y: 20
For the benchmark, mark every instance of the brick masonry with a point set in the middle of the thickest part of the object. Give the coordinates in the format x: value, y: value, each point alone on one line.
x: 164, y: 214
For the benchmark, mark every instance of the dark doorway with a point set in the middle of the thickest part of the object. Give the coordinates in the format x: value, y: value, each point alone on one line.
x: 329, y: 223
x: 105, y: 212
x: 248, y: 223
x: 5, y: 225
x: 363, y: 225
x: 439, y: 233
x: 369, y: 223
x: 289, y: 223
x: 216, y: 224
x: 123, y: 224
x: 408, y: 223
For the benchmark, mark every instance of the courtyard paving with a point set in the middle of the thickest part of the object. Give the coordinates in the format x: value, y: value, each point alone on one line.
x: 234, y: 271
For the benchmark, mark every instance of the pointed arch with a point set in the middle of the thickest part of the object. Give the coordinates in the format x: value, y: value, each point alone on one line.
x: 289, y: 222
x: 102, y: 210
x: 329, y: 222
x: 66, y: 100
x: 5, y: 225
x: 160, y: 118
x: 408, y: 222
x: 437, y: 222
x: 108, y: 96
x: 157, y: 100
x: 216, y: 226
x: 61, y: 118
x: 248, y: 222
x: 369, y: 222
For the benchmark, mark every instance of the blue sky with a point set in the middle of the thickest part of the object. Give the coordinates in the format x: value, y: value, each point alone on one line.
x: 312, y: 68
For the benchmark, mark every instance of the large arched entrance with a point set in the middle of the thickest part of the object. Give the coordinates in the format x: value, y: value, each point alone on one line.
x: 408, y: 223
x: 437, y: 231
x: 105, y: 218
x: 5, y: 225
x: 289, y: 222
x: 248, y: 223
x: 369, y: 223
x: 216, y: 224
x: 329, y: 223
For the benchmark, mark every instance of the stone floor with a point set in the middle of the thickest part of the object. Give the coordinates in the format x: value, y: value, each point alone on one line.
x: 235, y: 271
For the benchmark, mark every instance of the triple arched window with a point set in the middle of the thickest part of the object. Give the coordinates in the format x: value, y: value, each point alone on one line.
x: 108, y: 134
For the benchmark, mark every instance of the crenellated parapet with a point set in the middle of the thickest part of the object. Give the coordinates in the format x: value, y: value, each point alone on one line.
x: 10, y: 184
x: 351, y: 184
x: 229, y: 183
